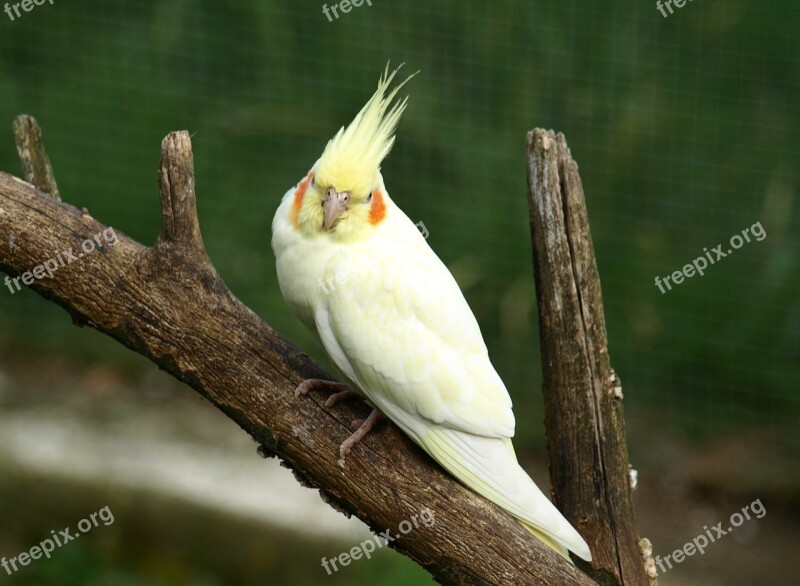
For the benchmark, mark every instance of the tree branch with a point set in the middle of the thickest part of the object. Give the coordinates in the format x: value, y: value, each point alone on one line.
x: 169, y: 304
x: 35, y: 163
x: 179, y: 223
x: 583, y: 396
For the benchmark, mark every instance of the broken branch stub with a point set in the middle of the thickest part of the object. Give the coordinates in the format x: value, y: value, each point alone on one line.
x: 582, y: 394
x: 36, y: 166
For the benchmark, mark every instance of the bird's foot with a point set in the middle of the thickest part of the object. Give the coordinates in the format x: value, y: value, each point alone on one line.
x: 363, y: 428
x: 341, y: 390
x: 348, y: 393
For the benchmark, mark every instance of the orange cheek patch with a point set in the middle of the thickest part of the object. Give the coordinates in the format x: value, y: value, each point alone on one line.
x: 299, y: 194
x: 378, y: 210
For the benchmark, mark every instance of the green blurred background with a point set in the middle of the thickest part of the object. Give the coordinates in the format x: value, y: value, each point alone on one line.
x: 686, y: 130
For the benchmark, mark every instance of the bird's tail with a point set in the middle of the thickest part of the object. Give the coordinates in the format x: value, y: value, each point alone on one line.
x: 548, y: 541
x: 489, y: 467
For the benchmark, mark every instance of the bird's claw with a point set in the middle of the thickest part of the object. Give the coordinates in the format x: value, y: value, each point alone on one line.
x: 363, y: 427
x: 340, y: 396
x: 302, y: 389
x: 316, y: 383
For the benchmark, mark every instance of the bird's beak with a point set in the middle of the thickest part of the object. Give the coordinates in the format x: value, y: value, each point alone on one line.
x: 335, y: 203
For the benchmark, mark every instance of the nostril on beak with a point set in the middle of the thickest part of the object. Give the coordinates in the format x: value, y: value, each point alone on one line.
x: 335, y: 205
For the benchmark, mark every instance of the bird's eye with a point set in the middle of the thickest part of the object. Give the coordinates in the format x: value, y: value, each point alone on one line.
x: 369, y: 197
x: 313, y: 183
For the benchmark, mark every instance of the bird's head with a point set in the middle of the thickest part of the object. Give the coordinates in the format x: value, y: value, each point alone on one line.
x: 343, y: 195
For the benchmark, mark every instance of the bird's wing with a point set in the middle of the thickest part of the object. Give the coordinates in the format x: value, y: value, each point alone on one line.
x: 400, y: 329
x: 396, y: 323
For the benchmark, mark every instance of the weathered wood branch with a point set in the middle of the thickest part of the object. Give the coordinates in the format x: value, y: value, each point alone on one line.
x: 168, y: 303
x: 582, y: 393
x: 36, y: 168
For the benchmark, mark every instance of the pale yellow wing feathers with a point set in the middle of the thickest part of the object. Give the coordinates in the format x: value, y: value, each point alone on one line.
x: 408, y: 333
x: 490, y: 468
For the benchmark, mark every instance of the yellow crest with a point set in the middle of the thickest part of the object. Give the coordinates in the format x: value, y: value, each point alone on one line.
x: 352, y: 158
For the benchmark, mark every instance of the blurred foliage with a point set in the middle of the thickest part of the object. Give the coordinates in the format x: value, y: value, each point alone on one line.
x: 686, y: 130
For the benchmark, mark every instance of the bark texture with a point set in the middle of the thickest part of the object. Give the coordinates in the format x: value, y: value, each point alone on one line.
x: 36, y: 168
x: 583, y: 395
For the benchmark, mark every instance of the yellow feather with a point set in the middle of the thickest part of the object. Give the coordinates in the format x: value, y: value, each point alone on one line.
x: 352, y: 158
x: 549, y: 542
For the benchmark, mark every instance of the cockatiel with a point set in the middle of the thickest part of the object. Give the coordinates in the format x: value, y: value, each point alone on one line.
x: 359, y: 274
